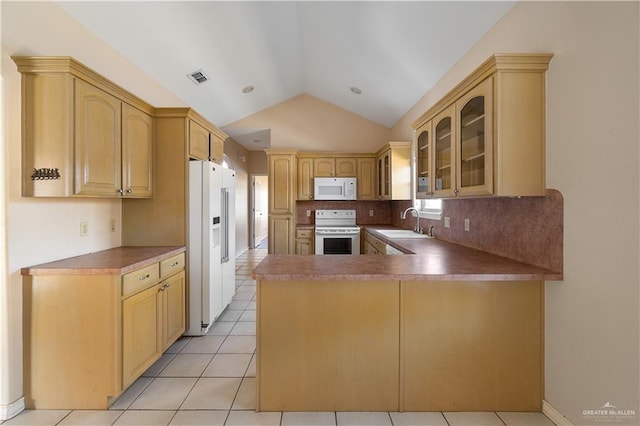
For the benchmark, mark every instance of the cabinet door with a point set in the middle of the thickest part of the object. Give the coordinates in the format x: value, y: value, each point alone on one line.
x: 474, y: 165
x: 173, y: 304
x: 281, y: 181
x: 346, y: 167
x: 324, y: 167
x: 281, y: 234
x: 305, y: 178
x: 141, y: 333
x: 444, y: 153
x: 366, y: 179
x: 137, y: 153
x: 384, y: 175
x: 423, y: 150
x: 304, y: 247
x: 98, y: 142
x: 198, y: 141
x: 217, y: 150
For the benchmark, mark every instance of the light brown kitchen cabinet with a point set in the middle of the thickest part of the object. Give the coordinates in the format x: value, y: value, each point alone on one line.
x: 82, y: 134
x: 282, y: 209
x: 335, y: 167
x: 488, y: 133
x: 304, y: 242
x: 198, y: 141
x: 120, y: 324
x: 366, y: 179
x: 346, y: 167
x: 216, y: 149
x: 424, y: 167
x: 393, y: 165
x: 305, y: 178
x: 324, y: 167
x: 162, y: 220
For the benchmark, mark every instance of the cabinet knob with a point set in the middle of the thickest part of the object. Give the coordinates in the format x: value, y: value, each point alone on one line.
x: 119, y: 191
x: 144, y: 277
x: 128, y: 191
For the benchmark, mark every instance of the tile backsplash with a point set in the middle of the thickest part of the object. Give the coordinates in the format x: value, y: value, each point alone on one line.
x: 527, y: 229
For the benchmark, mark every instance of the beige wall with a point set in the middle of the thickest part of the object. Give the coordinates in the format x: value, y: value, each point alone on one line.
x: 307, y: 123
x: 258, y: 164
x: 592, y: 326
x: 239, y: 158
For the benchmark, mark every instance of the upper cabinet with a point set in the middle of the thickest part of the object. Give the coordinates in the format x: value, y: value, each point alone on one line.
x: 335, y: 167
x: 393, y: 169
x: 313, y: 165
x: 205, y: 143
x: 486, y: 136
x: 82, y: 135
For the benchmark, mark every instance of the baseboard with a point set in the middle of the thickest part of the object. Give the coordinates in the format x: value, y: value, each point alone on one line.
x: 9, y: 411
x: 554, y: 415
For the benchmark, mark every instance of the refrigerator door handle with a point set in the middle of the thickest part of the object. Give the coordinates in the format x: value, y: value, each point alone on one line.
x: 225, y: 225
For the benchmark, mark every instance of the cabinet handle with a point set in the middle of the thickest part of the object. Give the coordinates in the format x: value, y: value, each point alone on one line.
x: 144, y: 277
x: 128, y: 191
x: 119, y: 191
x: 174, y: 264
x: 455, y: 191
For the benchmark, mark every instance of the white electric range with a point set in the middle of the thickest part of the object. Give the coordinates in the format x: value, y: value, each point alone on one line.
x: 336, y: 232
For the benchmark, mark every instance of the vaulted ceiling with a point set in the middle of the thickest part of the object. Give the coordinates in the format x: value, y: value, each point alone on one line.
x: 393, y: 52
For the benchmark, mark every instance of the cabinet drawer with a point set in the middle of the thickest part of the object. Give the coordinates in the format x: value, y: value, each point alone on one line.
x: 171, y: 265
x: 304, y: 233
x: 140, y: 279
x: 377, y: 243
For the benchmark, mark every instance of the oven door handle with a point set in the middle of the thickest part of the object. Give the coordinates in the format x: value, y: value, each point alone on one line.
x: 337, y: 234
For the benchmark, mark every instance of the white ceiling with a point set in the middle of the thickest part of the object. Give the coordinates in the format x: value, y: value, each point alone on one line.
x: 393, y: 51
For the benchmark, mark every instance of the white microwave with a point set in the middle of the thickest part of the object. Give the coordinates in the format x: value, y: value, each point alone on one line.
x: 340, y: 188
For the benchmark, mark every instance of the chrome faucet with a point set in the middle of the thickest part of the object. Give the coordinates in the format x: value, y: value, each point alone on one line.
x: 417, y: 229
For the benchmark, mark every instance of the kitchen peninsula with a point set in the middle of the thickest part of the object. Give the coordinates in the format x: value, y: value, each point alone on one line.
x: 447, y: 328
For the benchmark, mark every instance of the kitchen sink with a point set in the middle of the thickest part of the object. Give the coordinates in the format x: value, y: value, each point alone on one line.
x: 401, y: 233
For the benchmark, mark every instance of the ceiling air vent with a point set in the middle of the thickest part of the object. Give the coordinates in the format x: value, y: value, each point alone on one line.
x: 198, y: 77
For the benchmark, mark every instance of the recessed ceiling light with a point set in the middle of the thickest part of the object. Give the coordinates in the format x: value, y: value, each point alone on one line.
x: 355, y: 90
x: 248, y: 89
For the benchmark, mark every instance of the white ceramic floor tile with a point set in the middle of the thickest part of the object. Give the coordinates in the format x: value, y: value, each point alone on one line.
x: 415, y: 419
x: 38, y: 418
x: 251, y: 305
x: 247, y: 287
x: 251, y: 371
x: 238, y: 345
x: 229, y: 315
x: 363, y: 419
x: 228, y: 365
x: 187, y: 365
x: 238, y: 305
x: 249, y: 315
x: 220, y: 328
x: 159, y: 365
x: 525, y: 419
x: 247, y: 328
x: 164, y: 393
x: 203, y: 345
x: 472, y: 419
x: 145, y: 417
x: 212, y: 394
x: 246, y: 398
x: 199, y: 418
x: 178, y: 345
x: 245, y: 418
x: 131, y: 394
x: 92, y: 417
x: 244, y: 295
x: 319, y: 418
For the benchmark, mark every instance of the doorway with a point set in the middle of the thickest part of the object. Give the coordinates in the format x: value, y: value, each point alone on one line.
x: 259, y: 211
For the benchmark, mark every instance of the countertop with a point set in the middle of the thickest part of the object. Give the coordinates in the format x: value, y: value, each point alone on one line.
x: 426, y: 259
x: 115, y: 261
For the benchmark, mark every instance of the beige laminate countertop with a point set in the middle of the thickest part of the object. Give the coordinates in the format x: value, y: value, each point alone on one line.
x: 115, y: 261
x: 431, y: 259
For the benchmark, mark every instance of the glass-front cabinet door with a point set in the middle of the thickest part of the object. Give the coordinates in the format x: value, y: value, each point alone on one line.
x: 444, y: 154
x: 423, y: 153
x: 474, y: 171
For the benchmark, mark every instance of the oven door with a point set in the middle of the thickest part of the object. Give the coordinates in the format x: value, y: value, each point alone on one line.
x: 328, y: 242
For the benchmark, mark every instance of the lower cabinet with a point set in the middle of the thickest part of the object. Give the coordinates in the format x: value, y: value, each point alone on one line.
x: 88, y: 336
x: 304, y: 242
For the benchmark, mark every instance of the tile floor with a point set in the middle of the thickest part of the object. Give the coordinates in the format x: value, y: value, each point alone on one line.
x: 210, y: 380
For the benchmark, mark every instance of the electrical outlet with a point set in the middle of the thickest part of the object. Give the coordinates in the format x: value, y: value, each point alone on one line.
x: 112, y: 225
x: 466, y: 225
x: 308, y: 213
x: 447, y: 222
x: 370, y: 213
x: 84, y: 229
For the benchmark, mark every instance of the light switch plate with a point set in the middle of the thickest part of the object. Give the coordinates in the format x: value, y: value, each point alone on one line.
x: 447, y: 222
x: 466, y: 225
x: 84, y: 229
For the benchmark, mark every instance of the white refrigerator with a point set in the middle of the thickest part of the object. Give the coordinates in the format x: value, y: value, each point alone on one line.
x: 210, y: 244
